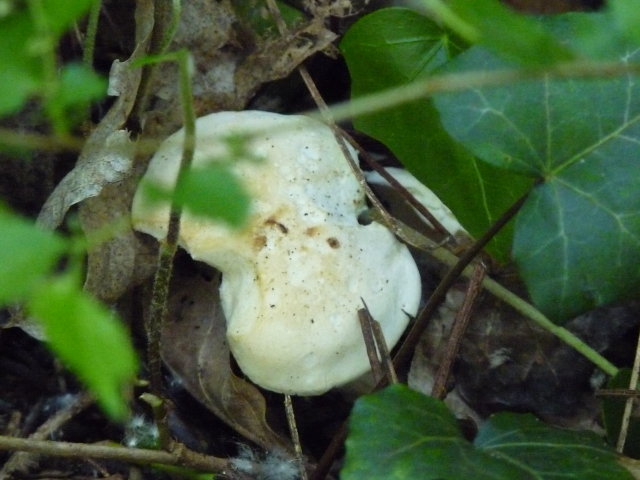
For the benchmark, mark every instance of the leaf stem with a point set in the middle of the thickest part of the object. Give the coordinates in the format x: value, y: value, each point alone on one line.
x: 452, y: 20
x: 169, y: 245
x: 454, y: 82
x: 44, y: 47
x: 460, y: 267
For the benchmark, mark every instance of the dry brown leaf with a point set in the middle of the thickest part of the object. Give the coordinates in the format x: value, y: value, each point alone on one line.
x: 277, y: 58
x: 194, y: 347
x: 111, y: 265
x: 106, y: 157
x: 230, y: 64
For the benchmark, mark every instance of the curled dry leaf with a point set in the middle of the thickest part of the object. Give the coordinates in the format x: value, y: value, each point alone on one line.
x: 194, y: 347
x: 102, y: 179
x: 101, y: 162
x: 106, y: 157
x: 277, y: 58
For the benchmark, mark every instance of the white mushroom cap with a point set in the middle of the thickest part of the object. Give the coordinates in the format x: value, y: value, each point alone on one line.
x: 295, y: 275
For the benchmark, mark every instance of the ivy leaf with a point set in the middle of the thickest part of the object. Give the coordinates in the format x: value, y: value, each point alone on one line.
x: 89, y: 340
x: 626, y: 16
x: 548, y: 452
x: 27, y: 254
x: 511, y: 35
x: 577, y: 239
x: 398, y: 433
x: 393, y: 47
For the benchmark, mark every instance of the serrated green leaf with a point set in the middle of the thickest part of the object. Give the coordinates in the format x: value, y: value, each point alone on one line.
x: 401, y: 434
x: 89, y: 340
x: 393, y: 47
x: 511, y: 35
x: 577, y: 239
x: 27, y: 254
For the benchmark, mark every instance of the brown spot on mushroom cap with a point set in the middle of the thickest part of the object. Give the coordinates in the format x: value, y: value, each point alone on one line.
x: 311, y: 231
x: 259, y: 242
x: 333, y: 242
x: 272, y: 221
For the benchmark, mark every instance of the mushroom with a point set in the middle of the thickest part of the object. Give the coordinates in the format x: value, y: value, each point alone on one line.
x: 295, y: 275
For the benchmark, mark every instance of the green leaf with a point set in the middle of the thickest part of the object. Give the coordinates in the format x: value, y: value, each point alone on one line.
x: 401, y: 46
x: 27, y: 254
x: 401, y: 434
x: 61, y: 14
x: 89, y: 339
x: 577, y: 239
x: 626, y: 16
x: 20, y: 74
x: 548, y: 452
x: 214, y: 191
x: 79, y: 85
x: 511, y: 35
x: 256, y: 14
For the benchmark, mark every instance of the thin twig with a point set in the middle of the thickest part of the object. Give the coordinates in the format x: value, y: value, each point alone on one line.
x: 18, y: 460
x: 295, y: 437
x: 628, y: 406
x: 396, y: 185
x: 370, y: 343
x: 184, y: 457
x: 439, y: 389
x: 459, y: 267
x: 617, y: 392
x: 403, y: 354
x: 385, y: 356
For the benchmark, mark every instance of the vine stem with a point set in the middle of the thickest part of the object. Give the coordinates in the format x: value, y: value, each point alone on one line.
x: 90, y: 36
x: 45, y: 49
x: 460, y: 267
x: 169, y: 245
x: 455, y: 82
